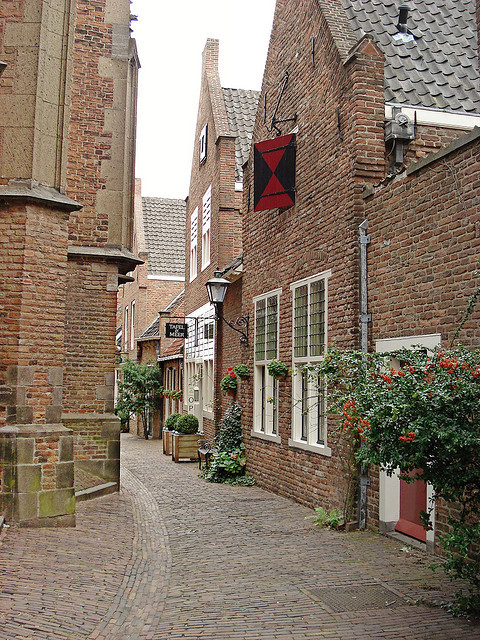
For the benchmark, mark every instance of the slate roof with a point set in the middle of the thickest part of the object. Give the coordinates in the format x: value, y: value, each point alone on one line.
x: 439, y: 68
x: 241, y: 107
x: 152, y: 331
x: 164, y: 224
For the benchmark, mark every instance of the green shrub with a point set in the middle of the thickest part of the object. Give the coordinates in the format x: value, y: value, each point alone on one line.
x: 171, y: 422
x: 187, y: 423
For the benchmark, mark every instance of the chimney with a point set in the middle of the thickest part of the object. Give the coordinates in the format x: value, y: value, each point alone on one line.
x: 403, y: 18
x: 210, y: 55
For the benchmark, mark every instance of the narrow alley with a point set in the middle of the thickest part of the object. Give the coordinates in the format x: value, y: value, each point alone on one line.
x: 174, y: 557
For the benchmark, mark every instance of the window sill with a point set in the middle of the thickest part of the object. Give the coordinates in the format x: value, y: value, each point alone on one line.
x: 312, y: 448
x: 265, y: 436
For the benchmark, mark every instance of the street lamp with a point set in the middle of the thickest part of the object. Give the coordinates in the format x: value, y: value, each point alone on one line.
x: 216, y: 289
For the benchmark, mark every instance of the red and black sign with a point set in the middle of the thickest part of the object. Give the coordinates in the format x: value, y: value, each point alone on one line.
x: 274, y: 169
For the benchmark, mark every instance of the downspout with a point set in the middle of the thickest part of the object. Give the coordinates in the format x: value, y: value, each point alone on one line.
x: 364, y: 319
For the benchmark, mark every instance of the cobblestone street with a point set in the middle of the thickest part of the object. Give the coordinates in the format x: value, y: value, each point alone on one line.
x: 174, y: 557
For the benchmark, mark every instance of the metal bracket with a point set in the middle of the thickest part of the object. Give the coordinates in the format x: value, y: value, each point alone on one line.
x: 365, y: 239
x: 366, y: 317
x: 364, y: 481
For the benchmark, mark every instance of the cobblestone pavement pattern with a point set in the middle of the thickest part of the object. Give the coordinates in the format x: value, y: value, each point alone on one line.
x: 174, y: 557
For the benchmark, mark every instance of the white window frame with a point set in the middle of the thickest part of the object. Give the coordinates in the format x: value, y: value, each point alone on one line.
x: 206, y: 224
x: 198, y: 380
x: 193, y: 244
x: 266, y: 398
x: 202, y: 144
x: 126, y: 328
x: 132, y: 326
x: 309, y: 420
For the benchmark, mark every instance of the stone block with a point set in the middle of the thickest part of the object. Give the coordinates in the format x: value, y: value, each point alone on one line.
x: 9, y: 478
x: 53, y: 414
x: 111, y: 430
x: 112, y: 470
x: 65, y: 472
x: 25, y: 376
x: 8, y: 449
x: 55, y: 376
x: 29, y: 478
x: 24, y: 415
x: 113, y: 449
x: 25, y: 450
x: 57, y: 502
x: 27, y: 506
x: 65, y: 449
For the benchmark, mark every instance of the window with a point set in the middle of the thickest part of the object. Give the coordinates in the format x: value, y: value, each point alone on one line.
x: 309, y: 424
x: 203, y: 144
x: 199, y: 362
x: 193, y: 244
x: 125, y: 327
x: 132, y: 326
x: 206, y: 217
x: 265, y: 422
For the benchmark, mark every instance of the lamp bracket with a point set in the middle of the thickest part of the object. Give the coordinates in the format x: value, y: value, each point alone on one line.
x: 241, y: 321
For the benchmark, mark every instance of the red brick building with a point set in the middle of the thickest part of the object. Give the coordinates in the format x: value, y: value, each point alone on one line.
x: 359, y: 92
x: 159, y: 240
x: 67, y: 136
x: 214, y: 234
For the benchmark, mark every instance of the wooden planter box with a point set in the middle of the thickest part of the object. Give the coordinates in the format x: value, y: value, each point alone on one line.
x: 185, y: 446
x: 167, y: 442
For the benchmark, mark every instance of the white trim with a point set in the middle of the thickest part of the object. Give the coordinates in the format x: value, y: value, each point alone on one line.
x: 436, y: 117
x: 323, y: 451
x: 274, y: 292
x: 167, y: 278
x: 299, y: 283
x: 428, y: 341
x: 238, y: 186
x: 265, y: 436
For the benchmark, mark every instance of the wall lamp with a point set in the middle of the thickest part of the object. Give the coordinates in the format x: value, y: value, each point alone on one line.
x: 216, y: 289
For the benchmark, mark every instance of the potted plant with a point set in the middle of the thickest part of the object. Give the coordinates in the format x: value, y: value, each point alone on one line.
x: 277, y: 369
x: 241, y: 370
x: 185, y: 438
x: 168, y: 428
x: 229, y: 382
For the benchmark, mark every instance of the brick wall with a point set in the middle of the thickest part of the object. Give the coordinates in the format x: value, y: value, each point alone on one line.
x: 423, y: 255
x: 226, y: 241
x: 33, y: 242
x: 320, y: 231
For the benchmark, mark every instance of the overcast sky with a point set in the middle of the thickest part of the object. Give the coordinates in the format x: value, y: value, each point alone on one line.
x: 170, y: 37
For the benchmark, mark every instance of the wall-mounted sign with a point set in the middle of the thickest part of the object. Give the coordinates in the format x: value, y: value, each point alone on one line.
x: 274, y: 173
x: 175, y: 330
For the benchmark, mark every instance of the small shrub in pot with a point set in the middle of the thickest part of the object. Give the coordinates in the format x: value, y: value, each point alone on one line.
x: 187, y: 423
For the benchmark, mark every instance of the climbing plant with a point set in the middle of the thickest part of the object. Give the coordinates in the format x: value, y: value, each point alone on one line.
x: 419, y: 412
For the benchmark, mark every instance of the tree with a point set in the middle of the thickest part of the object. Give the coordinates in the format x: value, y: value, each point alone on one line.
x: 140, y: 391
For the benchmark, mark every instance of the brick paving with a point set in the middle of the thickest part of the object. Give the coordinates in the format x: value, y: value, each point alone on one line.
x: 173, y: 557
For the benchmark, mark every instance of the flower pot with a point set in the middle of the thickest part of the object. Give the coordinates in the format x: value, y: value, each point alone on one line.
x: 185, y: 445
x: 167, y: 442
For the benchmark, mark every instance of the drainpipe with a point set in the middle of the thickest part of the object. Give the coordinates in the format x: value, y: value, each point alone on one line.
x: 364, y: 319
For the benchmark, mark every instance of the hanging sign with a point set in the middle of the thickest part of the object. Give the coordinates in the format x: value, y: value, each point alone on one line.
x: 274, y: 173
x: 175, y: 330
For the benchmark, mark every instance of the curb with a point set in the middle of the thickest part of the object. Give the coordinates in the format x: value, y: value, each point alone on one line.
x: 96, y: 492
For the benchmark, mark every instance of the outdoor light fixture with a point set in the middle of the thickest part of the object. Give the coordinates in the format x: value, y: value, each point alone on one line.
x: 216, y: 289
x: 3, y: 66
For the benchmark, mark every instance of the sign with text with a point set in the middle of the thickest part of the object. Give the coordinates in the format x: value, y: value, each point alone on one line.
x: 175, y: 330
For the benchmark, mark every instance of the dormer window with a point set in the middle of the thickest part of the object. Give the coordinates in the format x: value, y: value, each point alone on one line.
x: 203, y: 144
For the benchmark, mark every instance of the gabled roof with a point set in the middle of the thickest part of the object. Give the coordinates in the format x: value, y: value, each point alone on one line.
x: 164, y: 224
x: 439, y: 68
x: 241, y: 107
